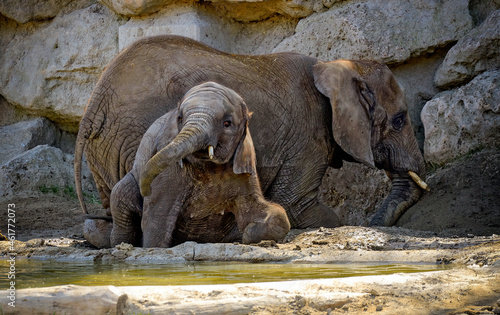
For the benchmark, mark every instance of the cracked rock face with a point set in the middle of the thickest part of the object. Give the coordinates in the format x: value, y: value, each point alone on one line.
x: 28, y: 10
x: 473, y: 54
x: 464, y: 119
x: 379, y: 30
x: 57, y: 67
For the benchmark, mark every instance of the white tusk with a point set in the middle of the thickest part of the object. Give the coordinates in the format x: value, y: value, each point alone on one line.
x: 181, y: 164
x: 418, y: 180
x: 210, y: 152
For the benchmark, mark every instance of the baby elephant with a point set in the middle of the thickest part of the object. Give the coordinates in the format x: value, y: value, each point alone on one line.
x: 194, y: 179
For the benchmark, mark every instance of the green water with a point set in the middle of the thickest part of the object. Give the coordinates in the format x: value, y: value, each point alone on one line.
x: 44, y: 273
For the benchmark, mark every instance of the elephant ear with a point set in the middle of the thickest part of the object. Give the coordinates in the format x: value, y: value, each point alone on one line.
x: 244, y: 161
x: 352, y: 104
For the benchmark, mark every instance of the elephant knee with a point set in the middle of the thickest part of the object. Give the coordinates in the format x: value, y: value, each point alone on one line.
x: 125, y: 199
x: 98, y: 232
x: 278, y: 222
x: 275, y: 226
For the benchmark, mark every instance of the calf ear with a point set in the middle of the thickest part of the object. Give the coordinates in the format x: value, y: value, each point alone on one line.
x: 244, y: 161
x: 352, y: 104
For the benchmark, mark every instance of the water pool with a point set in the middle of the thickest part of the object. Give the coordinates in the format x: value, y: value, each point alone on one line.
x: 32, y: 273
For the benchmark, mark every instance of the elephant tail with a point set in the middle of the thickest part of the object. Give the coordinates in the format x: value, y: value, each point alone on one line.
x: 80, y: 145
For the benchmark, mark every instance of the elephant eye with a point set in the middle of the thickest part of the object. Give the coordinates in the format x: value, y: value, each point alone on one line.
x: 227, y: 123
x: 398, y: 121
x: 179, y: 119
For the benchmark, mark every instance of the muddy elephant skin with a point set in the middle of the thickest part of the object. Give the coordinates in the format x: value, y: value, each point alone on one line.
x: 307, y: 115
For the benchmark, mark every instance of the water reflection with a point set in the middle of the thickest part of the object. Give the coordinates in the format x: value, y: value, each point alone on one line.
x: 44, y: 273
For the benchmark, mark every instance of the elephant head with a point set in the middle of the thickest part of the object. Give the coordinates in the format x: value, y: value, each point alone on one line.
x: 212, y: 126
x: 370, y: 123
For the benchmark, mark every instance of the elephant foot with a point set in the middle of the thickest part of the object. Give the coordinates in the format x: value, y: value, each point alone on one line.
x: 272, y: 226
x: 258, y: 231
x: 97, y: 232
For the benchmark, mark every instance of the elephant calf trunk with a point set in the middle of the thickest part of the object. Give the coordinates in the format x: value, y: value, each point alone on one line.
x: 192, y: 137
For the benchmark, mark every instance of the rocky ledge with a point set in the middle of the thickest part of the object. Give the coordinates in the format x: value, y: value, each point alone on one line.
x: 471, y: 286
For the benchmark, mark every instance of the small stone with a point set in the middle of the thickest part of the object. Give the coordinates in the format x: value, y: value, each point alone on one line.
x: 379, y: 308
x: 124, y: 246
x: 37, y: 242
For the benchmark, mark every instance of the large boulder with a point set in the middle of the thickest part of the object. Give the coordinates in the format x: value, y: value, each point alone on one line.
x: 23, y: 136
x: 462, y: 120
x: 239, y: 10
x: 473, y: 54
x: 262, y: 37
x: 51, y: 72
x: 217, y: 32
x: 23, y: 11
x: 377, y: 29
x: 40, y: 170
x: 136, y: 7
x: 186, y: 21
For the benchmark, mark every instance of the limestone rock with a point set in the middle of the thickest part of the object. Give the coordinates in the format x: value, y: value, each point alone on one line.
x: 57, y: 66
x: 201, y: 25
x: 24, y: 11
x: 10, y: 114
x: 481, y: 9
x: 244, y: 11
x: 416, y: 79
x: 240, y: 10
x: 383, y: 30
x: 40, y: 170
x: 473, y: 54
x: 463, y: 119
x: 136, y: 7
x: 179, y: 20
x: 23, y: 136
x: 262, y: 37
x: 71, y: 299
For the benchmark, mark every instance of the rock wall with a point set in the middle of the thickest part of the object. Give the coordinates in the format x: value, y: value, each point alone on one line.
x: 444, y: 53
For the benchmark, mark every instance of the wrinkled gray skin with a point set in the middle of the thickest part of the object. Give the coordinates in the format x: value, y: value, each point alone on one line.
x: 203, y: 198
x: 307, y: 115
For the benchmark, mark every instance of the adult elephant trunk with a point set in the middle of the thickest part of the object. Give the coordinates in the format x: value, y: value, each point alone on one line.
x: 194, y: 136
x: 404, y: 193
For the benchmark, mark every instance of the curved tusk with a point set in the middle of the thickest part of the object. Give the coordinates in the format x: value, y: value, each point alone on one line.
x: 210, y: 152
x: 418, y: 180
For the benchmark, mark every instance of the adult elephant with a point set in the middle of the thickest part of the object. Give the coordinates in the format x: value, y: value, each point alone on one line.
x: 307, y: 115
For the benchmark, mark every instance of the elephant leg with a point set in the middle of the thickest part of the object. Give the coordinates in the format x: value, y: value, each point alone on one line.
x: 126, y: 208
x: 262, y: 220
x: 162, y: 208
x: 296, y: 188
x: 97, y: 232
